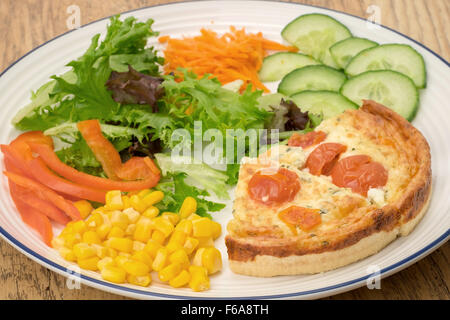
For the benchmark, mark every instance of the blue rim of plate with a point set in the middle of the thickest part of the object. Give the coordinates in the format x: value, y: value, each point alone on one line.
x: 63, y: 270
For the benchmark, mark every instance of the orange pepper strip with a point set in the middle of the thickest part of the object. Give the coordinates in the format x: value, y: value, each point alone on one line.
x: 53, y: 162
x: 45, y: 193
x: 103, y: 150
x: 29, y: 198
x: 10, y: 155
x: 45, y: 176
x: 34, y: 218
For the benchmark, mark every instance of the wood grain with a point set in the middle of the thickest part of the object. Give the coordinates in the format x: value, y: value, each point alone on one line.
x: 26, y: 24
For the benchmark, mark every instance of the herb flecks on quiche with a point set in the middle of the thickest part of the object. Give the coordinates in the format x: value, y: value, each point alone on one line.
x: 330, y: 197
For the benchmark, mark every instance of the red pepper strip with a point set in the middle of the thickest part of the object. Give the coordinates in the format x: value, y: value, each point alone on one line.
x: 53, y: 162
x: 103, y: 150
x: 45, y: 176
x: 45, y: 193
x: 29, y: 198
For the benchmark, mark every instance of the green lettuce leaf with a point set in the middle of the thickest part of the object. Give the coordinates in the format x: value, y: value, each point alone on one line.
x: 84, y: 85
x: 176, y: 190
x: 197, y: 174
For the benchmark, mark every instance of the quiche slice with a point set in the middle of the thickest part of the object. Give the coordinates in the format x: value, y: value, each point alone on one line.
x: 330, y: 197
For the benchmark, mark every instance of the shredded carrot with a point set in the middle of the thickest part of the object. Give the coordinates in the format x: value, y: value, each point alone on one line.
x: 232, y: 56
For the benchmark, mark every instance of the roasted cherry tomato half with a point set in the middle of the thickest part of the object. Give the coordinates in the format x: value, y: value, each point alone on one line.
x: 305, y: 218
x: 306, y: 140
x: 322, y: 159
x: 359, y: 173
x: 276, y: 187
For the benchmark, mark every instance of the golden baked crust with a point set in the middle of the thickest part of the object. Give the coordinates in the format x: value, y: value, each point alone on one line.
x: 263, y: 248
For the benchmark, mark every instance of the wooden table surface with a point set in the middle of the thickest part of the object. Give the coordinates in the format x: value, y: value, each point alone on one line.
x: 26, y: 24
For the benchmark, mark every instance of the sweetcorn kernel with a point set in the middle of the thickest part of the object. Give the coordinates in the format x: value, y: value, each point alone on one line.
x: 136, y: 268
x: 180, y: 280
x: 84, y: 250
x: 202, y: 227
x: 153, y: 198
x: 70, y: 239
x: 57, y: 242
x: 193, y: 216
x: 143, y: 193
x: 199, y: 278
x: 204, y: 242
x: 105, y: 262
x: 79, y: 226
x: 185, y: 226
x: 120, y: 261
x: 126, y: 202
x: 119, y: 219
x: 94, y: 220
x: 172, y: 217
x: 212, y: 260
x: 84, y: 207
x: 197, y: 261
x: 143, y: 229
x: 137, y: 203
x: 103, y: 230
x: 163, y: 225
x: 173, y: 246
x: 169, y: 272
x: 67, y: 254
x: 132, y: 215
x: 180, y: 256
x: 158, y: 236
x: 178, y: 237
x: 190, y: 245
x: 91, y: 237
x: 152, y: 247
x: 188, y: 207
x: 144, y: 257
x: 131, y: 229
x: 89, y: 263
x: 160, y: 259
x: 120, y: 244
x: 113, y: 274
x: 116, y: 232
x: 216, y: 229
x: 113, y: 200
x: 151, y: 212
x: 138, y: 245
x: 143, y: 281
x: 111, y: 252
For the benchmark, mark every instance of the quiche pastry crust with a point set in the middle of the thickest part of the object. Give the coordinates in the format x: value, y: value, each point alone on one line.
x: 267, y: 251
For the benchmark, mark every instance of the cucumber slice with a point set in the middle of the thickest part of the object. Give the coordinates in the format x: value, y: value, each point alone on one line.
x: 397, y: 57
x: 344, y: 50
x: 390, y: 88
x: 314, y: 34
x: 328, y: 103
x: 311, y: 78
x: 277, y: 65
x: 272, y: 99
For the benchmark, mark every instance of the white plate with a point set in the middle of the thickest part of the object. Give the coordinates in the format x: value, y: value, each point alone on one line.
x: 34, y: 69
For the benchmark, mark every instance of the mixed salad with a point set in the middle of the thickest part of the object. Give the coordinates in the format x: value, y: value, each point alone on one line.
x: 97, y: 155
